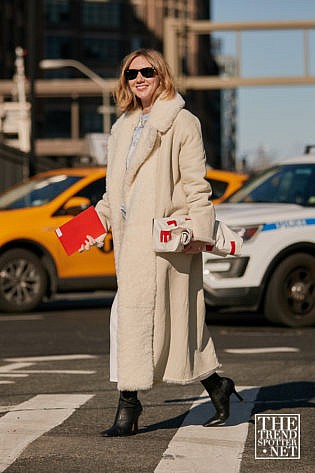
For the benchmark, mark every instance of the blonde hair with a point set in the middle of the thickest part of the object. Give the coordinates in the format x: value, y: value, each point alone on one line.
x: 125, y: 99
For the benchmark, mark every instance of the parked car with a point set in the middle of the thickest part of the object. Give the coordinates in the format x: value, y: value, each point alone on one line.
x: 33, y: 264
x: 276, y: 270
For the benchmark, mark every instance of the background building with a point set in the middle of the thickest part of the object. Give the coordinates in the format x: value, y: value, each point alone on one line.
x: 98, y: 34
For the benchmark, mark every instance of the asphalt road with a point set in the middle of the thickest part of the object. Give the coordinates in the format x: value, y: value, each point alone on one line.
x: 55, y: 398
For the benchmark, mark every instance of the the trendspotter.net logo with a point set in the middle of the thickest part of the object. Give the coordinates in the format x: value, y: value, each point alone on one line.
x: 277, y: 436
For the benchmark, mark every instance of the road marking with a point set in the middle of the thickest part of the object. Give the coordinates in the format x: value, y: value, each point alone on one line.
x: 292, y: 333
x: 13, y: 375
x: 245, y: 351
x: 10, y: 370
x: 32, y: 419
x: 26, y: 372
x: 6, y: 408
x: 33, y: 359
x: 14, y: 366
x: 6, y: 382
x: 209, y: 450
x: 9, y: 318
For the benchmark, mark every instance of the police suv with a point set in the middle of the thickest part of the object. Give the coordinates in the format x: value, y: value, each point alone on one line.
x: 276, y: 270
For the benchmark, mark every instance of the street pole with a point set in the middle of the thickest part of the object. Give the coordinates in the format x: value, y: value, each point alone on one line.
x: 32, y: 67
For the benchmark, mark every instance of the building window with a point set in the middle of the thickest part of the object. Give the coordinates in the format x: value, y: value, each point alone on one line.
x: 102, y: 49
x: 136, y: 42
x: 57, y: 11
x: 57, y: 47
x: 91, y: 121
x: 57, y: 123
x: 101, y: 14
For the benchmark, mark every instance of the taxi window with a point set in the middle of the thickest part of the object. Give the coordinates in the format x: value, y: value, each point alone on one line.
x: 93, y: 191
x: 36, y: 192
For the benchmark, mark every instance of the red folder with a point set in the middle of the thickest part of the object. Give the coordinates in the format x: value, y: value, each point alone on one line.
x: 73, y: 233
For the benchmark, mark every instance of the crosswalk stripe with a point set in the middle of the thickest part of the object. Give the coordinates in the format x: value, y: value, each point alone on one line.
x: 11, y: 318
x: 247, y: 351
x: 13, y: 375
x: 14, y: 366
x: 213, y: 449
x: 29, y: 420
x: 33, y: 359
x: 27, y: 372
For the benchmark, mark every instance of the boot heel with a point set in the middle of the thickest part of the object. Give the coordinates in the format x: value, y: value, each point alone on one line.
x: 136, y: 426
x: 238, y: 395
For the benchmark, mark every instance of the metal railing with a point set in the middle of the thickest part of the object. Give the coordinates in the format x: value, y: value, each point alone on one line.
x: 175, y: 28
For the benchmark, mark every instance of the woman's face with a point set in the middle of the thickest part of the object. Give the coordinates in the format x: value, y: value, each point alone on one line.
x: 143, y: 87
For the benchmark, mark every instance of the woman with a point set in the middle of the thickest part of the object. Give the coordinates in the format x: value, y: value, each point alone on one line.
x: 156, y: 168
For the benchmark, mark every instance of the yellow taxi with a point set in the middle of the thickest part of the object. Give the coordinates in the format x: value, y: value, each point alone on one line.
x: 224, y: 183
x: 33, y: 263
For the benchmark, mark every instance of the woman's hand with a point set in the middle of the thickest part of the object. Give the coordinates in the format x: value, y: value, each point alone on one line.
x: 193, y: 247
x: 90, y: 241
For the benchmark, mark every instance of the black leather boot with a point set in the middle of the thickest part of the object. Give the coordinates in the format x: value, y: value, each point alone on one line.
x: 220, y: 391
x: 126, y: 420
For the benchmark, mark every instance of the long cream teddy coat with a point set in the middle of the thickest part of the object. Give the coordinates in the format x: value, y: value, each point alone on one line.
x: 162, y: 334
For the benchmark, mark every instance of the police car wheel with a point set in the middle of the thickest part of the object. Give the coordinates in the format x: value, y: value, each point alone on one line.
x: 290, y: 295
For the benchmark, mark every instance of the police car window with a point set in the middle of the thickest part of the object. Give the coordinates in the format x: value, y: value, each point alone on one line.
x: 293, y: 184
x: 93, y: 191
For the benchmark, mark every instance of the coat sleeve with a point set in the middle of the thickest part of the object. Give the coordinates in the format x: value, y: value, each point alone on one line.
x: 102, y: 207
x: 192, y: 165
x: 103, y: 211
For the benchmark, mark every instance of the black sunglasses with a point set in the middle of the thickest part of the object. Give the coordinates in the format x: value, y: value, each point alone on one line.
x: 146, y: 72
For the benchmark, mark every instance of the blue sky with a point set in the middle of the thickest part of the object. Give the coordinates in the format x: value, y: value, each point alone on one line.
x: 281, y: 120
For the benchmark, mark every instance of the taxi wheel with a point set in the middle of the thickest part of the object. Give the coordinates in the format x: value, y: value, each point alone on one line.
x: 23, y: 281
x: 290, y: 296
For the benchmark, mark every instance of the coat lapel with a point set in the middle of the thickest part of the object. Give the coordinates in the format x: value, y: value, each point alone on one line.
x: 161, y: 117
x: 141, y: 153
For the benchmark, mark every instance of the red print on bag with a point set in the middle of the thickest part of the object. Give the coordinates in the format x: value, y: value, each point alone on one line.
x: 172, y: 222
x: 209, y: 247
x: 165, y: 236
